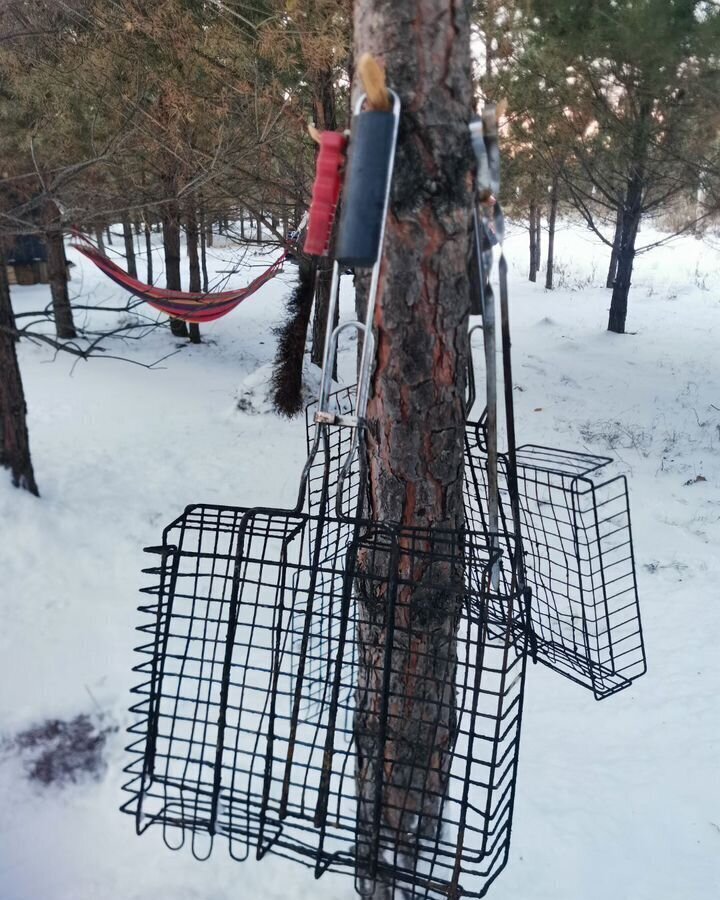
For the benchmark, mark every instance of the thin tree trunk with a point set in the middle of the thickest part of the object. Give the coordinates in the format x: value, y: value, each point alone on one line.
x: 612, y: 270
x: 171, y: 246
x: 259, y: 231
x: 209, y: 236
x: 203, y: 253
x: 14, y: 438
x: 626, y: 257
x: 148, y: 252
x: 416, y: 417
x: 129, y: 240
x: 99, y: 240
x: 538, y: 238
x: 242, y: 224
x: 108, y: 234
x: 631, y: 216
x: 191, y: 231
x: 57, y: 275
x: 552, y: 219
x: 532, y: 273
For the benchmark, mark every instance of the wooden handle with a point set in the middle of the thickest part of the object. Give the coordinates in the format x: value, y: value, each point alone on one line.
x: 372, y: 76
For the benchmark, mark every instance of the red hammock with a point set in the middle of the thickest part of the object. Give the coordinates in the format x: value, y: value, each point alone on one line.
x: 191, y: 307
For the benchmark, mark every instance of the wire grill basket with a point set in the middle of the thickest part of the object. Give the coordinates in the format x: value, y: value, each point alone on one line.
x: 222, y: 745
x: 578, y: 553
x: 579, y: 560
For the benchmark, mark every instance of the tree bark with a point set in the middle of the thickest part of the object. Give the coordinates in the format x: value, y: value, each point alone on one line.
x: 552, y: 219
x: 171, y: 246
x: 57, y: 275
x: 129, y: 240
x: 532, y: 272
x: 191, y: 231
x: 148, y: 253
x: 242, y: 224
x: 108, y: 234
x: 203, y: 253
x: 612, y: 269
x: 99, y: 240
x: 14, y: 439
x: 538, y: 238
x: 625, y: 257
x: 259, y: 231
x: 631, y: 214
x: 416, y: 417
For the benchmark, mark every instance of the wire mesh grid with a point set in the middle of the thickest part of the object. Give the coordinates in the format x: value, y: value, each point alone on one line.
x: 578, y: 553
x: 579, y: 560
x: 406, y: 779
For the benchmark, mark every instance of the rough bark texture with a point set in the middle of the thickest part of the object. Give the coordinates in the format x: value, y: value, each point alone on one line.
x: 14, y: 439
x: 57, y: 275
x: 191, y: 232
x: 171, y: 246
x: 612, y: 269
x: 416, y: 413
x: 129, y: 240
x: 552, y: 220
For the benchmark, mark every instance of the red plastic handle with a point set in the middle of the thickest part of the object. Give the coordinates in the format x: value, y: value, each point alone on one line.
x: 326, y: 192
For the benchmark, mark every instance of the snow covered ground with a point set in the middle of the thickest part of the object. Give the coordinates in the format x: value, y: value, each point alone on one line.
x: 619, y: 799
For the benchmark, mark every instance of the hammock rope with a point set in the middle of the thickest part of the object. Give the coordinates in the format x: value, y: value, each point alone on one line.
x: 186, y: 305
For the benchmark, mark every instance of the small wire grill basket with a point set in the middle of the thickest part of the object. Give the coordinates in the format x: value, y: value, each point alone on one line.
x: 223, y: 747
x: 579, y: 560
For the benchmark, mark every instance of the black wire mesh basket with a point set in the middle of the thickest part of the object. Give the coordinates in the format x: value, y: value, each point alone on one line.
x: 223, y: 746
x: 578, y: 559
x: 578, y: 552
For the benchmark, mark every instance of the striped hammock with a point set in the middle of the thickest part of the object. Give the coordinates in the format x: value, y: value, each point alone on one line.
x: 186, y: 305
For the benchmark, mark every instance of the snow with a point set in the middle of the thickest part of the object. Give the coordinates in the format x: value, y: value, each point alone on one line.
x: 616, y: 799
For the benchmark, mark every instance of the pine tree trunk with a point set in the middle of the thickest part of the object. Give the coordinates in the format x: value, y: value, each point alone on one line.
x: 259, y: 231
x: 538, y: 238
x: 129, y: 240
x: 242, y: 224
x: 612, y: 270
x: 191, y: 231
x: 148, y: 252
x: 99, y: 240
x: 14, y: 439
x: 209, y: 235
x: 552, y: 219
x: 57, y: 275
x: 631, y: 214
x: 171, y: 246
x: 532, y: 273
x: 416, y: 417
x: 626, y: 260
x: 108, y: 234
x: 203, y: 253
